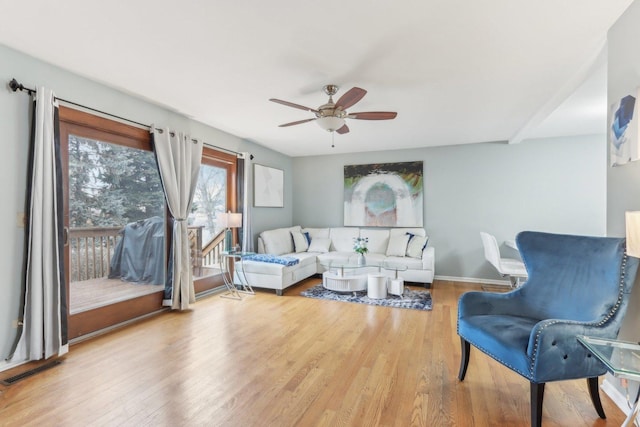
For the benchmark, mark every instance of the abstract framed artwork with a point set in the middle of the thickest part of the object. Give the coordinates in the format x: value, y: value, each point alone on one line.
x: 384, y: 195
x: 268, y: 187
x: 623, y: 131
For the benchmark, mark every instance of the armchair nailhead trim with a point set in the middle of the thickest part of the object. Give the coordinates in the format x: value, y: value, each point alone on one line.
x: 609, y: 315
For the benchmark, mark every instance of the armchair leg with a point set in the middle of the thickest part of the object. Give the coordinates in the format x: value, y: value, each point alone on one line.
x: 595, y: 396
x: 464, y: 358
x: 537, y: 394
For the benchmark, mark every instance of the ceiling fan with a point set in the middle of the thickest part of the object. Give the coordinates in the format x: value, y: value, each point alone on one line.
x: 331, y: 116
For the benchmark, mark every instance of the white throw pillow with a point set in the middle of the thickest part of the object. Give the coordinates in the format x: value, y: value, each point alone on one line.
x: 300, y: 243
x: 416, y: 246
x: 397, y: 245
x: 278, y: 241
x: 319, y: 244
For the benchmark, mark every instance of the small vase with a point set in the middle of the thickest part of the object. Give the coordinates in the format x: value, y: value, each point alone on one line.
x: 362, y: 261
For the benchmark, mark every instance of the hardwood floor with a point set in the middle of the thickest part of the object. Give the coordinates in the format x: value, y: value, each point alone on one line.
x: 289, y: 361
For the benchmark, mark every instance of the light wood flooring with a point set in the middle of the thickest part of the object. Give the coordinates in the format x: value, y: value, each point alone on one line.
x: 289, y: 361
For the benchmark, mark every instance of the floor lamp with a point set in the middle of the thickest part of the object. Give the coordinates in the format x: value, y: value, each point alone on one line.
x: 229, y: 220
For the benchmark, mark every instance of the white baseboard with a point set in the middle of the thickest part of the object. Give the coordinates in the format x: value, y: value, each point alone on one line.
x: 474, y: 280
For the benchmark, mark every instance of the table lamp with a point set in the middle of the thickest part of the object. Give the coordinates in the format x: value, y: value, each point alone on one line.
x: 229, y: 220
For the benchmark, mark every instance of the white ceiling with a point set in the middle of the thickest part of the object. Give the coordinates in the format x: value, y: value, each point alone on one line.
x: 456, y: 71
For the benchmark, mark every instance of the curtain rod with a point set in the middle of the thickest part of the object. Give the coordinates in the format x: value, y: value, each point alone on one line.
x: 15, y: 86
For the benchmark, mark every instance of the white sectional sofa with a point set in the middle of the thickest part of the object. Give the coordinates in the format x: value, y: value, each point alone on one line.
x: 404, y: 246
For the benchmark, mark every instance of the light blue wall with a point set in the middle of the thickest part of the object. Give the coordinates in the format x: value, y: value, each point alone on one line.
x: 623, y: 182
x: 14, y: 128
x: 555, y: 185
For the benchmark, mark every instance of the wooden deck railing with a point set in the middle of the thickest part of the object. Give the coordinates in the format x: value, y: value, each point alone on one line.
x: 211, y: 251
x: 91, y: 250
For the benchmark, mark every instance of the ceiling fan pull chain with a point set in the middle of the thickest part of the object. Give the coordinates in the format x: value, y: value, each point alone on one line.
x: 333, y: 135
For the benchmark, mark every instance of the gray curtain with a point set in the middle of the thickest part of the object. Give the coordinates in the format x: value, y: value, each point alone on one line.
x: 43, y: 329
x: 178, y: 157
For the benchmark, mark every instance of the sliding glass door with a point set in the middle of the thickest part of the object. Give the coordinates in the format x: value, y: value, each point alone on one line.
x: 118, y: 232
x: 115, y: 215
x: 215, y: 193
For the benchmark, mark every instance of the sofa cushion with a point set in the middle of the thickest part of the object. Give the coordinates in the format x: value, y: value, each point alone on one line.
x: 277, y: 269
x: 300, y: 243
x: 339, y: 257
x: 378, y: 240
x: 319, y: 244
x: 342, y: 238
x: 375, y: 259
x: 317, y: 232
x: 411, y: 263
x: 416, y: 246
x: 398, y: 245
x: 278, y: 241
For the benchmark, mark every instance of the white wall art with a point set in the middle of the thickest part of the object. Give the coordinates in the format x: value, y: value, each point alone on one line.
x: 268, y: 187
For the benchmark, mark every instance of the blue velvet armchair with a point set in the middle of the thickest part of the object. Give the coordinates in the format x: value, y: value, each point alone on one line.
x: 577, y: 285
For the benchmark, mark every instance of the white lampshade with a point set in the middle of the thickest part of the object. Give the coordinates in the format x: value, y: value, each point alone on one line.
x: 222, y: 219
x: 235, y: 220
x: 229, y: 220
x: 330, y: 123
x: 632, y: 220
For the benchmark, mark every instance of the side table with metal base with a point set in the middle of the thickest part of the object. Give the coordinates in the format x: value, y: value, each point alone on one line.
x: 622, y: 359
x: 232, y: 291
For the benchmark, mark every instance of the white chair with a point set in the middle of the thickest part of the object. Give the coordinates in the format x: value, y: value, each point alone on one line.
x: 507, y: 267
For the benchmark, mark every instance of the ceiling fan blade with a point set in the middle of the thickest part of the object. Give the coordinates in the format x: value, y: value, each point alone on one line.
x: 299, y: 122
x: 291, y: 104
x: 352, y: 96
x: 343, y: 129
x: 373, y: 115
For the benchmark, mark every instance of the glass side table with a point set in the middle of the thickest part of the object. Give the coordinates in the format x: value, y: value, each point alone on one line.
x: 228, y: 275
x: 621, y: 358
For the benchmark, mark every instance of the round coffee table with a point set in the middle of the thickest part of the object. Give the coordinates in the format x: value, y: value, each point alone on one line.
x: 348, y: 276
x: 344, y: 277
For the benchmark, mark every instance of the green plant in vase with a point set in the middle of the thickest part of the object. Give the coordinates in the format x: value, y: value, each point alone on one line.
x: 360, y: 246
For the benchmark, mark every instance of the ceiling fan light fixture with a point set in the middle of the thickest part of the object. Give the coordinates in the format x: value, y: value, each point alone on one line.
x: 330, y: 123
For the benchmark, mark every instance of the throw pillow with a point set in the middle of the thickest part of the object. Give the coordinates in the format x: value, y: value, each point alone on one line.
x: 319, y: 244
x: 416, y: 246
x: 397, y: 245
x: 300, y: 243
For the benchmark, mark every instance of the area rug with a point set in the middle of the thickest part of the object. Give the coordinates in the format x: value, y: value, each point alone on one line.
x: 416, y: 300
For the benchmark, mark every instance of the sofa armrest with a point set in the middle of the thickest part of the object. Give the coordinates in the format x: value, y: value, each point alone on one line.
x: 555, y: 351
x: 260, y: 245
x: 429, y: 258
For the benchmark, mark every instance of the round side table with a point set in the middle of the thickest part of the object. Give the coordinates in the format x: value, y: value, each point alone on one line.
x: 377, y: 286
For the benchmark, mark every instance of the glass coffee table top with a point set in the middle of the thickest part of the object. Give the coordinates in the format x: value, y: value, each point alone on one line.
x: 346, y: 264
x: 622, y: 358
